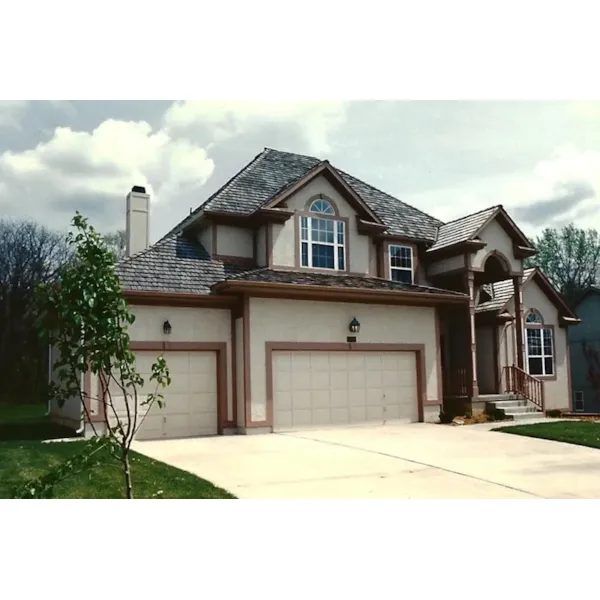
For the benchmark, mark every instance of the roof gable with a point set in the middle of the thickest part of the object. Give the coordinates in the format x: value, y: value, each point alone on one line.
x: 503, y: 292
x: 326, y: 170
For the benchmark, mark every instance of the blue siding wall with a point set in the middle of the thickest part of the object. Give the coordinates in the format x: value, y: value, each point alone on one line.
x: 587, y: 331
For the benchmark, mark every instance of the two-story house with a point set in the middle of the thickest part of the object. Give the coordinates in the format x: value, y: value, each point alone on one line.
x: 299, y: 296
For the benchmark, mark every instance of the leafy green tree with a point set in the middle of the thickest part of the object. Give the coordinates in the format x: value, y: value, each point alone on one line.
x: 569, y: 257
x: 86, y: 318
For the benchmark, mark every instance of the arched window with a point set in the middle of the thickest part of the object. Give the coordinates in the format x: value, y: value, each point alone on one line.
x: 320, y: 205
x: 540, y: 345
x: 534, y: 317
x: 322, y: 237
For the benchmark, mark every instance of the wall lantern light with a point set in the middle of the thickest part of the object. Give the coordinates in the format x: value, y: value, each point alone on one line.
x: 167, y: 327
x: 354, y: 325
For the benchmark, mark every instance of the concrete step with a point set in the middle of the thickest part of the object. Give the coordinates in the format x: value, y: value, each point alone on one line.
x: 521, y: 410
x: 509, y: 403
x: 496, y: 397
x: 525, y: 416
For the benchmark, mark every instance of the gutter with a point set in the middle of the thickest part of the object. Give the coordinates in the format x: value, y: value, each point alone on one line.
x: 435, y: 297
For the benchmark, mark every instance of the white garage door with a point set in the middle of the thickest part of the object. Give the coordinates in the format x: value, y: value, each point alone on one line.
x: 331, y: 388
x: 190, y: 407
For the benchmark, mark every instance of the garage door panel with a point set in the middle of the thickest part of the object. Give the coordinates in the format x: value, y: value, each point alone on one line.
x: 323, y: 388
x: 190, y: 401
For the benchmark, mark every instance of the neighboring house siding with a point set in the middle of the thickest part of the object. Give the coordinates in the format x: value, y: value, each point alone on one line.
x: 188, y: 325
x: 306, y: 321
x: 234, y: 241
x: 556, y: 391
x: 587, y: 331
x: 496, y: 239
x: 284, y: 236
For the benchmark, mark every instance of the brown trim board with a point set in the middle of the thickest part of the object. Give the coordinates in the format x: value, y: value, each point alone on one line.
x: 221, y: 350
x: 183, y: 299
x: 418, y: 349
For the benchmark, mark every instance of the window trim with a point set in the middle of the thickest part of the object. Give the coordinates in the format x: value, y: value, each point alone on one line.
x: 541, y: 326
x: 582, y: 409
x: 389, y: 261
x: 299, y: 241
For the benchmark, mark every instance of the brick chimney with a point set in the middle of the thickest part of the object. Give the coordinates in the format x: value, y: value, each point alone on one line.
x: 137, y: 220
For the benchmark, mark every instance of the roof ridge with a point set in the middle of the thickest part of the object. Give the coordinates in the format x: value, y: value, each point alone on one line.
x: 473, y: 214
x: 387, y: 194
x: 229, y: 182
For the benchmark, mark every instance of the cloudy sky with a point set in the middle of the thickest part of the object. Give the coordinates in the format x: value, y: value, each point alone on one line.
x: 541, y: 160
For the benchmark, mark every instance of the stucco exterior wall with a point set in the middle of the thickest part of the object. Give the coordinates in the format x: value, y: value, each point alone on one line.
x: 261, y: 246
x: 70, y: 413
x: 306, y: 321
x: 286, y: 244
x: 188, y: 325
x: 239, y: 366
x: 205, y: 237
x: 234, y: 241
x: 556, y: 391
x: 446, y: 264
x: 496, y: 239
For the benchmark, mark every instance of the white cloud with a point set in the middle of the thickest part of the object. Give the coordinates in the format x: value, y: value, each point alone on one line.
x: 10, y: 111
x: 315, y: 121
x: 104, y: 163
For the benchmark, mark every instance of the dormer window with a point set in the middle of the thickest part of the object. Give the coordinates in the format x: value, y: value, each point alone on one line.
x: 322, y: 237
x: 401, y: 263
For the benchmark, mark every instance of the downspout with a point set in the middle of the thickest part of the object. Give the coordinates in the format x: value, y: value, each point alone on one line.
x: 82, y: 417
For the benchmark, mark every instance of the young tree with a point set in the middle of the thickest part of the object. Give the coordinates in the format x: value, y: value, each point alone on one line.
x: 86, y: 319
x: 569, y: 257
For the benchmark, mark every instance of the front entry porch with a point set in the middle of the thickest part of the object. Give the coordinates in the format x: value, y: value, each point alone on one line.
x: 482, y: 350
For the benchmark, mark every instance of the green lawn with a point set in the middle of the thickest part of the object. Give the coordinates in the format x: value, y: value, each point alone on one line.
x: 27, y: 422
x: 582, y: 433
x: 25, y: 457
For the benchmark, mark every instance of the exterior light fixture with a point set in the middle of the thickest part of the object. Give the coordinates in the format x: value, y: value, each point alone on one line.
x: 354, y: 326
x: 167, y: 327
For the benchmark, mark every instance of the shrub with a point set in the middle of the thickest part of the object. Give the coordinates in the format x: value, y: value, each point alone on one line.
x: 554, y: 413
x: 468, y: 415
x: 496, y: 414
x: 446, y: 416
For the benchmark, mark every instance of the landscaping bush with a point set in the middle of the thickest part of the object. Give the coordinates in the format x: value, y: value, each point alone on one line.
x: 446, y: 417
x: 496, y: 414
x: 554, y: 413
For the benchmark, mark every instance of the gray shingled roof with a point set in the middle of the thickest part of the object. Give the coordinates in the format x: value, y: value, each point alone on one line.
x: 267, y: 275
x: 175, y: 264
x: 273, y: 170
x: 461, y: 230
x: 503, y: 292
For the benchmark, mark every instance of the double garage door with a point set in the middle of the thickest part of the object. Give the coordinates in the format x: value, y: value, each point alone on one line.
x: 190, y: 407
x: 321, y: 388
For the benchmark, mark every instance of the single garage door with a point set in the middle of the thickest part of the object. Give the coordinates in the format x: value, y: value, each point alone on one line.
x: 190, y: 407
x: 320, y: 388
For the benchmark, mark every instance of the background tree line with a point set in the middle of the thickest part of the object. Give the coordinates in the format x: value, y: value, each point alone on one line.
x: 30, y: 253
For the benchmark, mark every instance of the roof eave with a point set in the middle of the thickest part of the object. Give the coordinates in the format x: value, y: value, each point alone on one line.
x: 337, y: 293
x: 454, y: 249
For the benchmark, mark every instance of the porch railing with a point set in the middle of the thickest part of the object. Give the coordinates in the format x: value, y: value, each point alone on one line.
x: 456, y: 382
x: 517, y: 381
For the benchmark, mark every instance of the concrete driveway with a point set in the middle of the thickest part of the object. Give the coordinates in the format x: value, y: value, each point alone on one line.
x: 392, y: 461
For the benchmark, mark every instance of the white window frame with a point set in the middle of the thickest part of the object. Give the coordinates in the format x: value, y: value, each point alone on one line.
x: 411, y: 270
x: 336, y: 245
x: 543, y: 356
x: 575, y: 399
